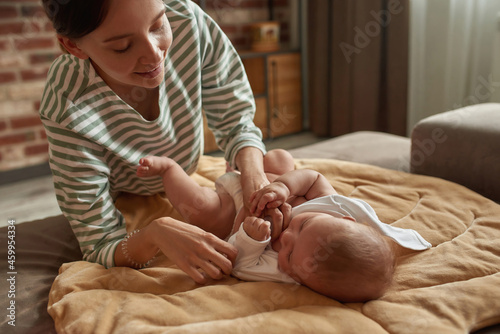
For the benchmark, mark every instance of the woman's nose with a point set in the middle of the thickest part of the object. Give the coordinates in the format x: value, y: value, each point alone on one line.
x: 151, y: 54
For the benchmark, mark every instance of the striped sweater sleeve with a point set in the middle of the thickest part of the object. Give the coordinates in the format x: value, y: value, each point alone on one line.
x: 227, y: 96
x: 83, y: 193
x: 79, y: 167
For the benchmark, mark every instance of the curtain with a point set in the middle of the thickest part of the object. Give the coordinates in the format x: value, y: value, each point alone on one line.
x: 454, y: 55
x: 357, y: 66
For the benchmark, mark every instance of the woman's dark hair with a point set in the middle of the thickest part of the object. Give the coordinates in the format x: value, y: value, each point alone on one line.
x: 75, y: 18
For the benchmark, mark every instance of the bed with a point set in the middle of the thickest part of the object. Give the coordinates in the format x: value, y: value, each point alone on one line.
x: 452, y: 288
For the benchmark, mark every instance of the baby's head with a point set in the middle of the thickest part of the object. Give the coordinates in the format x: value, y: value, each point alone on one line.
x: 337, y: 257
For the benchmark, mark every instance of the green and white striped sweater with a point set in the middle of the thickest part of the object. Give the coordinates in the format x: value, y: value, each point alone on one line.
x: 96, y: 139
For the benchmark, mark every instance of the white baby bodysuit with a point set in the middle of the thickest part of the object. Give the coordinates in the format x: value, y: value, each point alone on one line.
x: 257, y: 261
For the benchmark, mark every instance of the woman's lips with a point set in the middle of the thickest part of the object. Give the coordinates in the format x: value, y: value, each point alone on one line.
x: 153, y: 73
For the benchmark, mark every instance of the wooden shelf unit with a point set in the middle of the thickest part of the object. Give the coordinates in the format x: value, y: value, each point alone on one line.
x: 276, y: 81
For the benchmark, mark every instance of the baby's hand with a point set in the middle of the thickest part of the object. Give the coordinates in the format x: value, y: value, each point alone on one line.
x: 271, y: 196
x: 257, y: 228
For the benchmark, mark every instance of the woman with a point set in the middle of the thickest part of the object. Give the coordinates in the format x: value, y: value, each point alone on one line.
x: 134, y: 82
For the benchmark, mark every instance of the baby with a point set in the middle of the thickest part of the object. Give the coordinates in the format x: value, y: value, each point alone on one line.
x: 332, y: 244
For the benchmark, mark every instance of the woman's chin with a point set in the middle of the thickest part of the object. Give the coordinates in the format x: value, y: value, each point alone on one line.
x: 150, y: 80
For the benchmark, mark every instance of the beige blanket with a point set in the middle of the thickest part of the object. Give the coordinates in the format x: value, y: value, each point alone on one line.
x: 452, y: 288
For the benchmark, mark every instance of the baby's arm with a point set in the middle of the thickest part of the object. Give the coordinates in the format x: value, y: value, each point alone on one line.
x: 301, y: 182
x: 250, y: 250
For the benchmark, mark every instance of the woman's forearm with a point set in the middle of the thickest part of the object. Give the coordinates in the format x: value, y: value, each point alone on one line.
x: 250, y: 162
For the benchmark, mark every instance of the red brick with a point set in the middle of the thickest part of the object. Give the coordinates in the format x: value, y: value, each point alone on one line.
x: 32, y: 11
x: 31, y: 27
x: 7, y: 12
x: 34, y: 43
x: 25, y: 122
x: 11, y: 28
x: 40, y: 58
x: 7, y: 77
x: 28, y: 75
x: 43, y: 134
x: 16, y: 138
x: 49, y: 27
x: 4, y: 45
x: 36, y: 149
x: 3, y: 125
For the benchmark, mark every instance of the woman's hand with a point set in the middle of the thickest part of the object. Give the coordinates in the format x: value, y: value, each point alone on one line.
x: 250, y: 162
x: 196, y: 252
x: 250, y: 183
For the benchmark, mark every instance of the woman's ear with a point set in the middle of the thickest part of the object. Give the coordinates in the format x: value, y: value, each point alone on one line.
x: 71, y: 47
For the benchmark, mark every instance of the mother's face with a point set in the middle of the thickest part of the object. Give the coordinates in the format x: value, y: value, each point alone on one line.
x: 129, y: 48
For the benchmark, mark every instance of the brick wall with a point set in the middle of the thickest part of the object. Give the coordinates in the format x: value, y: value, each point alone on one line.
x: 28, y: 46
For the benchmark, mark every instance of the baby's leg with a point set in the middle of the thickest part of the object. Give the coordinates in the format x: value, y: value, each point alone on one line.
x: 277, y: 162
x: 200, y: 206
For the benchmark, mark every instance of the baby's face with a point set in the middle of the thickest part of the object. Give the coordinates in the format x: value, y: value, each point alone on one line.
x: 302, y: 244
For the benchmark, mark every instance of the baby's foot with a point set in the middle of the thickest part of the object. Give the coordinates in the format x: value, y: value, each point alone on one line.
x: 151, y: 166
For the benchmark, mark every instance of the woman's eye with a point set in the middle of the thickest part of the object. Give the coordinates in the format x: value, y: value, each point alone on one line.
x: 159, y: 29
x: 122, y: 50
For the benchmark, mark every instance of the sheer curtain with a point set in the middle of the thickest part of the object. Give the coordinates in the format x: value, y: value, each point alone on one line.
x: 454, y: 55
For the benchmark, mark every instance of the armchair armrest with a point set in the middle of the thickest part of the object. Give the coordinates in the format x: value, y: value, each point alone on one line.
x: 462, y: 146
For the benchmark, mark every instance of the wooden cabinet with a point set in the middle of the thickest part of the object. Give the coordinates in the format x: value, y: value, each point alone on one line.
x: 276, y: 81
x: 284, y: 94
